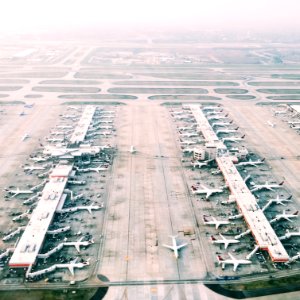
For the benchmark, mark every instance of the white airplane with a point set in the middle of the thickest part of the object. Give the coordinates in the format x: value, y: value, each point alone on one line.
x: 60, y: 132
x: 74, y: 107
x: 182, y: 117
x: 296, y: 127
x: 281, y: 201
x: 271, y: 124
x: 55, y: 140
x: 184, y: 128
x: 21, y: 216
x: 221, y: 124
x: 17, y: 192
x: 285, y: 216
x: 187, y: 142
x: 25, y: 136
x: 233, y: 261
x: 96, y: 169
x: 174, y: 246
x: 38, y: 158
x: 233, y: 139
x: 211, y: 107
x: 79, y: 243
x: 226, y: 130
x: 69, y: 116
x: 279, y: 112
x: 132, y: 149
x: 266, y: 186
x: 29, y: 105
x: 59, y: 230
x: 65, y: 126
x: 218, y: 117
x: 224, y: 241
x: 188, y: 150
x: 293, y: 123
x: 289, y: 234
x: 215, y: 222
x: 89, y: 208
x: 205, y: 190
x: 250, y: 162
x: 189, y: 134
x: 200, y: 164
x: 32, y: 168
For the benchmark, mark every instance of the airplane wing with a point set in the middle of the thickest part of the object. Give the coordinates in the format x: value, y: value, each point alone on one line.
x: 231, y: 256
x: 77, y: 246
x: 181, y: 246
x: 71, y: 269
x: 208, y: 194
x: 226, y: 244
x: 89, y: 210
x: 235, y: 265
x: 167, y: 246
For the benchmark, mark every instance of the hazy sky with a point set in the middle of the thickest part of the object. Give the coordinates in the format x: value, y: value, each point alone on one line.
x: 24, y: 15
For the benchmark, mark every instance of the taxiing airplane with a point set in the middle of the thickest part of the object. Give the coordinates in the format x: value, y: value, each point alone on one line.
x: 215, y: 222
x: 174, y: 247
x: 224, y: 241
x: 271, y: 124
x: 266, y: 186
x: 232, y: 261
x: 205, y: 190
x: 25, y: 136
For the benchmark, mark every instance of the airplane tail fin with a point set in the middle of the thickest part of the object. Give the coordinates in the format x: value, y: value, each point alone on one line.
x: 213, y: 238
x: 296, y: 213
x: 243, y: 136
x: 231, y: 122
x: 281, y: 183
x: 220, y: 259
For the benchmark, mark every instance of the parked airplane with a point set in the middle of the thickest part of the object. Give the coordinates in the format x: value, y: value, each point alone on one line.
x: 189, y: 134
x: 187, y: 142
x: 233, y: 139
x: 25, y: 136
x: 215, y: 222
x: 224, y: 241
x: 96, y: 169
x: 266, y: 186
x: 271, y: 124
x: 174, y: 246
x: 233, y: 261
x: 55, y: 140
x: 253, y: 163
x: 79, y: 243
x: 285, y: 216
x: 289, y: 234
x: 39, y: 158
x: 184, y: 128
x: 200, y: 164
x: 188, y: 150
x: 32, y: 168
x: 277, y: 200
x: 22, y: 216
x: 217, y: 117
x: 89, y: 208
x: 226, y: 130
x: 16, y: 192
x: 65, y: 126
x: 221, y: 124
x: 279, y: 112
x: 71, y: 266
x: 205, y: 190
